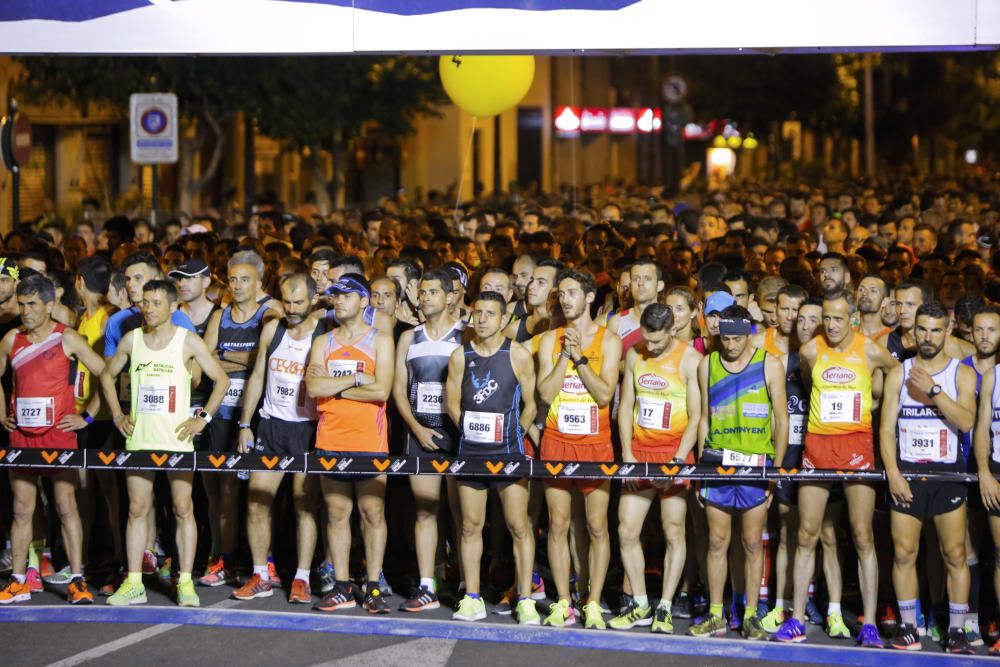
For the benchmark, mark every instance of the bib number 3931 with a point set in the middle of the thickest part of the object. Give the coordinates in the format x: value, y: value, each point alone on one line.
x: 842, y: 407
x: 35, y: 412
x: 484, y: 427
x: 156, y: 400
x: 926, y: 443
x: 578, y: 419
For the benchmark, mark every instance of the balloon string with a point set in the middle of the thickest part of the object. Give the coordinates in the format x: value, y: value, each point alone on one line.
x: 572, y: 101
x: 461, y: 178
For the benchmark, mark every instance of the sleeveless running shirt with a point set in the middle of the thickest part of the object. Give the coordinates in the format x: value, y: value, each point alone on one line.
x: 200, y: 394
x: 770, y: 346
x: 427, y: 371
x: 995, y: 422
x: 346, y: 425
x: 92, y: 328
x: 739, y: 407
x: 841, y: 397
x: 237, y: 337
x: 798, y: 402
x: 491, y: 405
x: 43, y: 391
x: 660, y: 413
x: 574, y: 416
x: 285, y: 395
x: 629, y: 330
x: 926, y: 440
x: 894, y: 343
x: 161, y: 395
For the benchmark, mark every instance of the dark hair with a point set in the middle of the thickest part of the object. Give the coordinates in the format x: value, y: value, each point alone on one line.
x: 37, y: 284
x: 323, y: 255
x: 494, y: 296
x: 410, y: 268
x: 140, y: 258
x: 793, y: 292
x: 96, y: 273
x: 585, y: 279
x: 967, y: 307
x: 444, y: 277
x: 165, y: 286
x: 735, y: 312
x: 647, y: 262
x: 736, y: 275
x: 982, y: 310
x: 301, y: 277
x: 837, y: 257
x: 551, y: 264
x: 657, y: 317
x: 932, y: 309
x: 350, y: 262
x: 846, y: 295
x: 116, y: 280
x: 926, y: 291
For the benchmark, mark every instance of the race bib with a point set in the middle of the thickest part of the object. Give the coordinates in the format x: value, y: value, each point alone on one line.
x: 842, y: 407
x: 156, y: 400
x: 338, y: 368
x: 926, y: 443
x: 731, y: 458
x: 288, y: 393
x: 234, y: 395
x: 654, y: 413
x: 484, y: 427
x: 35, y: 412
x: 796, y: 429
x: 430, y: 398
x: 578, y: 418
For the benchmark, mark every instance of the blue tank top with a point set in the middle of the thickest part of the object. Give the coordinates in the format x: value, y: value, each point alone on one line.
x: 491, y: 405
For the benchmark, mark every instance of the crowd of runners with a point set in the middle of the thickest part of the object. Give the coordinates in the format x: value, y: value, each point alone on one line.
x: 841, y: 327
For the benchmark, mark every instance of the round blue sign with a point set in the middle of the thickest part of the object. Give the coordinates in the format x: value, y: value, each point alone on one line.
x: 153, y: 120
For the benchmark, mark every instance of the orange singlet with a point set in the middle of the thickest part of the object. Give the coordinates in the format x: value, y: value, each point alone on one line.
x: 346, y: 425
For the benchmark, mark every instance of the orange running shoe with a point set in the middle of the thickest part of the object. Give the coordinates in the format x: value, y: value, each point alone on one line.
x: 272, y: 573
x: 45, y: 566
x: 77, y: 592
x: 217, y: 575
x: 300, y: 593
x: 15, y: 592
x: 255, y: 588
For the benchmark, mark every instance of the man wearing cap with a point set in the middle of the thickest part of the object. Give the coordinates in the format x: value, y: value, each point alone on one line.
x: 739, y: 428
x: 461, y: 276
x: 714, y: 305
x: 350, y: 374
x: 192, y: 279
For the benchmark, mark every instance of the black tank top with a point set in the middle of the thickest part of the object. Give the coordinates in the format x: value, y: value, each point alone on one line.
x: 798, y: 410
x: 200, y: 394
x: 236, y: 337
x: 894, y: 344
x: 491, y: 405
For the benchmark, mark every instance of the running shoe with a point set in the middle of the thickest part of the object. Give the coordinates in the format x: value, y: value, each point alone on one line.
x: 114, y: 580
x: 6, y: 561
x: 272, y: 574
x: 663, y: 622
x: 128, y: 593
x: 887, y: 620
x: 682, y: 605
x: 791, y: 631
x: 217, y: 575
x: 992, y: 632
x: 710, y: 626
x: 933, y: 631
x: 995, y: 649
x: 973, y: 635
x: 383, y: 586
x: 470, y: 609
x: 187, y: 596
x: 634, y: 615
x: 773, y: 619
x: 421, y: 599
x: 255, y: 588
x: 526, y: 613
x: 836, y: 628
x: 166, y: 571
x: 537, y: 587
x: 958, y: 643
x: 907, y: 638
x: 15, y: 592
x: 762, y: 609
x: 506, y: 605
x: 148, y: 562
x: 813, y: 615
x: 338, y: 598
x: 60, y: 578
x: 626, y: 603
x: 78, y: 593
x: 45, y: 567
x: 869, y: 637
x: 699, y: 603
x: 735, y: 614
x: 34, y: 580
x: 327, y: 577
x: 300, y: 593
x: 753, y: 630
x: 593, y: 616
x: 375, y: 602
x: 561, y: 615
x: 921, y: 621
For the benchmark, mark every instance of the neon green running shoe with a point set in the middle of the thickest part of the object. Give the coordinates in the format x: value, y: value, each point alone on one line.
x: 526, y: 612
x: 633, y: 615
x: 663, y: 622
x: 710, y: 626
x: 773, y: 620
x: 835, y: 627
x: 128, y: 593
x: 593, y: 616
x: 561, y: 615
x: 470, y: 609
x: 186, y: 596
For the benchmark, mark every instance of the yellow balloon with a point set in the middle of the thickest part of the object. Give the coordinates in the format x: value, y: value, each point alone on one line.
x: 486, y: 85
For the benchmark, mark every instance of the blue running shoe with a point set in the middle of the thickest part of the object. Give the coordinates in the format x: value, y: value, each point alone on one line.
x: 791, y: 631
x: 736, y: 608
x: 762, y: 609
x: 327, y: 577
x: 869, y: 638
x: 699, y: 603
x: 813, y: 615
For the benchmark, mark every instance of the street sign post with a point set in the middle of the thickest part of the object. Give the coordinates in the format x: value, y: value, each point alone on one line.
x: 153, y: 129
x: 15, y: 151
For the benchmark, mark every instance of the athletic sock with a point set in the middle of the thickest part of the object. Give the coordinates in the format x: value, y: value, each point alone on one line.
x: 261, y: 571
x: 665, y: 605
x: 33, y: 550
x: 715, y: 610
x: 183, y: 578
x: 474, y: 596
x: 20, y: 578
x: 779, y: 604
x: 812, y: 590
x: 135, y: 577
x: 428, y: 583
x: 641, y: 600
x: 74, y: 575
x: 833, y: 608
x: 908, y: 612
x: 302, y: 575
x: 765, y: 577
x: 956, y: 615
x: 536, y: 579
x: 749, y: 612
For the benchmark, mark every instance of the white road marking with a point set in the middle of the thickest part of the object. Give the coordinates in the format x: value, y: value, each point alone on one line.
x: 425, y: 652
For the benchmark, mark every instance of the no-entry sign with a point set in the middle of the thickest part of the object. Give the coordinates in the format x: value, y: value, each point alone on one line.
x: 153, y: 128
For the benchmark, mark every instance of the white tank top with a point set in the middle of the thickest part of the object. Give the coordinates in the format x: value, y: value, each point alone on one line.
x: 924, y: 435
x: 995, y: 417
x: 285, y: 396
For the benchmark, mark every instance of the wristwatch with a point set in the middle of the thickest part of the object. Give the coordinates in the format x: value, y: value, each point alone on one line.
x: 582, y: 361
x: 202, y: 414
x: 87, y: 417
x: 935, y: 390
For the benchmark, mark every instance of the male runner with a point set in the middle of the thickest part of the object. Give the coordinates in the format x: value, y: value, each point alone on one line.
x: 578, y: 373
x: 901, y: 342
x: 287, y: 427
x: 837, y: 367
x: 646, y: 285
x: 488, y: 379
x: 986, y: 439
x: 777, y: 340
x: 927, y: 403
x: 872, y: 293
x: 658, y: 423
x: 350, y: 374
x: 419, y: 389
x: 159, y: 420
x: 233, y: 335
x: 42, y: 354
x: 834, y: 273
x: 739, y: 385
x: 539, y: 316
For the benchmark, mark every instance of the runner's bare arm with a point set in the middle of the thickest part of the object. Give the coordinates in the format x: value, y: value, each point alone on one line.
x: 453, y: 388
x: 774, y: 376
x: 401, y: 382
x: 254, y: 386
x: 960, y: 412
x: 195, y: 348
x: 705, y: 415
x: 899, y: 488
x: 550, y: 375
x: 524, y: 369
x: 377, y: 389
x: 5, y: 345
x: 879, y: 357
x: 626, y: 407
x: 602, y: 387
x: 989, y: 487
x: 689, y: 371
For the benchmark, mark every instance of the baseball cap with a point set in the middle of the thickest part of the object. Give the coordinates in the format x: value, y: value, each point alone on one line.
x: 735, y: 326
x: 9, y: 267
x: 986, y: 241
x: 196, y: 228
x: 718, y: 302
x: 459, y: 272
x: 190, y: 269
x: 351, y: 283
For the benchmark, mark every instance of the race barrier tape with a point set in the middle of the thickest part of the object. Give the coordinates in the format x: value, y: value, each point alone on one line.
x: 349, y: 463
